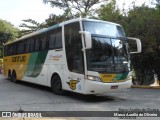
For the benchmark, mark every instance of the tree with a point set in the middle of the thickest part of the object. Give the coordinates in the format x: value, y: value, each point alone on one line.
x: 144, y: 22
x: 55, y: 19
x: 31, y: 26
x: 109, y: 12
x: 74, y: 8
x: 7, y: 33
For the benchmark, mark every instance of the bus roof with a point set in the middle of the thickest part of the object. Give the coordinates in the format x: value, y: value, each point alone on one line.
x: 56, y: 26
x: 86, y: 19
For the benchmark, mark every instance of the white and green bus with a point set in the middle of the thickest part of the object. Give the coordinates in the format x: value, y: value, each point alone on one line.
x: 81, y: 55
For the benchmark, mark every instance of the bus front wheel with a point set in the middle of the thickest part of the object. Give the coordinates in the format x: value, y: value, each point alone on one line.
x: 56, y: 85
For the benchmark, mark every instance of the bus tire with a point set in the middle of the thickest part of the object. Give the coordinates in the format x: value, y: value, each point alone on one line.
x: 56, y: 85
x: 14, y: 77
x: 9, y: 75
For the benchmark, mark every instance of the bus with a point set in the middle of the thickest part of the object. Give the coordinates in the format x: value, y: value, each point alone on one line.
x: 81, y: 55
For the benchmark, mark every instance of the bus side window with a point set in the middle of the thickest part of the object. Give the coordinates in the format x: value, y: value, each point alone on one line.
x: 55, y: 39
x: 32, y: 44
x: 16, y: 48
x: 38, y: 44
x: 11, y: 49
x: 52, y: 38
x: 58, y: 41
x: 44, y: 41
x: 26, y: 46
x: 20, y: 48
x: 41, y: 42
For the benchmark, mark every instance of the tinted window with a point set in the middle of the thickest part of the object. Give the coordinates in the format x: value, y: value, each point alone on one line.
x: 20, y: 47
x: 9, y: 49
x: 40, y: 42
x: 103, y: 28
x: 52, y: 38
x: 73, y: 45
x: 15, y: 48
x: 55, y: 39
x: 58, y: 42
x: 26, y: 46
x: 32, y: 44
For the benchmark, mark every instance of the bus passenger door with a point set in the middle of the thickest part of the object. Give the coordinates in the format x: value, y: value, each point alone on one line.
x: 74, y: 57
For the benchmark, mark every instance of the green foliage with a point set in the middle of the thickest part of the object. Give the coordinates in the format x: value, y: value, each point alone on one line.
x: 75, y: 8
x: 109, y: 12
x: 31, y: 26
x: 55, y: 19
x: 7, y: 32
x: 144, y: 22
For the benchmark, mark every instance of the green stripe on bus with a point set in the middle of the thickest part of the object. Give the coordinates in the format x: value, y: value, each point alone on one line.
x: 31, y: 64
x: 36, y: 63
x: 121, y: 76
x: 124, y: 76
x: 118, y: 77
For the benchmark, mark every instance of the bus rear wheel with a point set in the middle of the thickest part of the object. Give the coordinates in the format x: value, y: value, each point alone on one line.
x: 14, y: 77
x: 9, y: 75
x: 56, y: 85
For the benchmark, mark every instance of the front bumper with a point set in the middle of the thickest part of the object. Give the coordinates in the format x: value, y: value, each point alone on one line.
x: 94, y: 87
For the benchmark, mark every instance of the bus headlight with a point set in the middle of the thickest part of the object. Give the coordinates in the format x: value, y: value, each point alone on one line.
x: 94, y: 78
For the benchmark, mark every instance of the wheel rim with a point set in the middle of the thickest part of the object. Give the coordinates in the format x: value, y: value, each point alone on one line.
x: 14, y: 78
x: 9, y: 76
x: 58, y: 85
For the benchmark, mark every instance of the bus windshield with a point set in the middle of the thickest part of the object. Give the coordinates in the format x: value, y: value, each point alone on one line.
x: 109, y: 53
x: 102, y: 28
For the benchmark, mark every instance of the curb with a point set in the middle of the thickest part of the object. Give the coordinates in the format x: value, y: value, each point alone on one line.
x: 145, y: 87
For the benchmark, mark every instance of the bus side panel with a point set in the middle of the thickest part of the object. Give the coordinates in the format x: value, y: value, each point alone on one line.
x: 41, y: 79
x: 18, y: 63
x: 36, y: 71
x: 54, y: 62
x: 36, y: 63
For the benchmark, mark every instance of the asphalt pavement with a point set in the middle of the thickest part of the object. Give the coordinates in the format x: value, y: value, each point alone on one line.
x: 30, y: 97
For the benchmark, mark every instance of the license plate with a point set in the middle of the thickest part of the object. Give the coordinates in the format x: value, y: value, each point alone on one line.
x: 114, y: 87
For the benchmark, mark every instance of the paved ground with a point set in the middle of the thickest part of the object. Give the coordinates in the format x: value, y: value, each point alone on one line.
x: 30, y: 97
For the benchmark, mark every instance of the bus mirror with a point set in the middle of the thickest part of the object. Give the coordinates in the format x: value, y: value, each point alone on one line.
x: 137, y: 45
x: 88, y: 39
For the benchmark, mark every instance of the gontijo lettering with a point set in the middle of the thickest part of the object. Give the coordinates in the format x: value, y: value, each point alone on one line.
x: 19, y: 59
